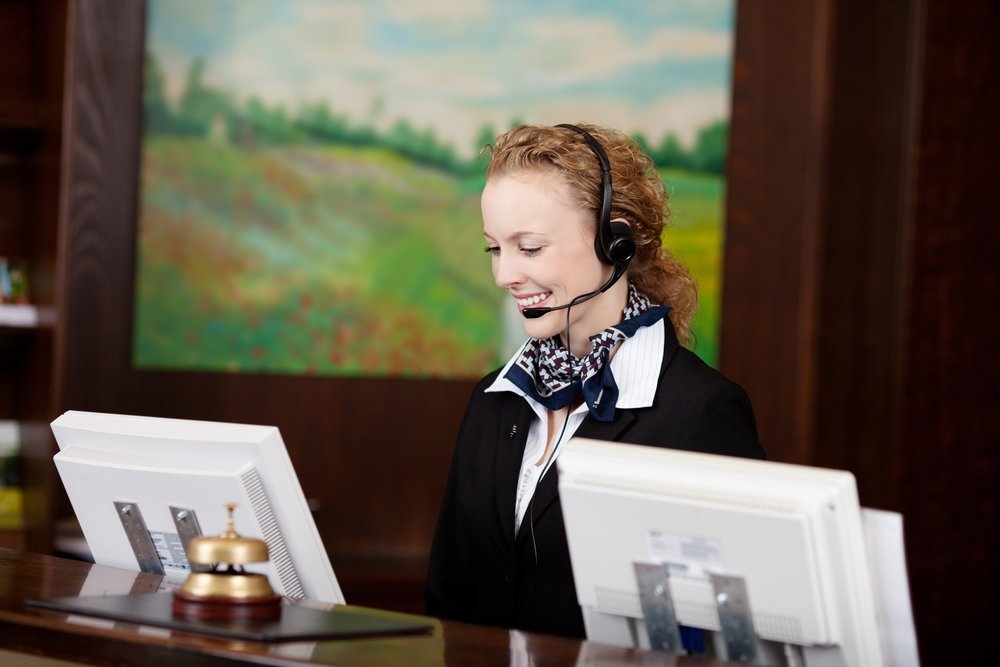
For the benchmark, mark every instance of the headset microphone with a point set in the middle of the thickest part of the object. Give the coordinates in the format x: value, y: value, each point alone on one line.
x: 532, y: 313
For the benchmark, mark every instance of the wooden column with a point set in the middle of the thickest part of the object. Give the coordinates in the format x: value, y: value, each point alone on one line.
x: 948, y: 423
x: 861, y: 273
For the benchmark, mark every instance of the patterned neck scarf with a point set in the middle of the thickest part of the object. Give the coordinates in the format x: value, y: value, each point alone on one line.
x: 549, y: 373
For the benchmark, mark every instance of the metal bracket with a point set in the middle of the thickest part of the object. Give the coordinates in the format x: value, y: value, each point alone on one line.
x: 658, y: 607
x: 733, y: 606
x: 138, y: 537
x: 188, y: 528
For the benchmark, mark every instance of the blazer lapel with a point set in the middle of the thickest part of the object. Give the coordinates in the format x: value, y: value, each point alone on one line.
x: 515, y: 419
x: 548, y: 488
x: 612, y: 430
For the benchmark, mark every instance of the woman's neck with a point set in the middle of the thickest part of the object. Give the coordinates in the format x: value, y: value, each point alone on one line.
x: 604, y: 311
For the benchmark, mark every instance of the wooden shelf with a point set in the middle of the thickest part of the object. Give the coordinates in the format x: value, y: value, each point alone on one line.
x: 12, y: 539
x: 20, y: 123
x: 26, y: 317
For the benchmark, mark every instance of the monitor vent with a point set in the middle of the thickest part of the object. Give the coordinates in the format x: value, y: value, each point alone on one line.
x: 281, y: 560
x: 664, y: 490
x: 779, y: 628
x: 698, y: 614
x: 619, y: 603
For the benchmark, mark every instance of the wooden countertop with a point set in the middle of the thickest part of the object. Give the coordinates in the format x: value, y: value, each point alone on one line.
x: 90, y: 640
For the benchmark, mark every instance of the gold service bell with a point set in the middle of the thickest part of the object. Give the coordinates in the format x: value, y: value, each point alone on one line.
x: 227, y: 591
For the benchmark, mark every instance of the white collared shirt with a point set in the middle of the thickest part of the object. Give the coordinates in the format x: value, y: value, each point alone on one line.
x: 636, y: 368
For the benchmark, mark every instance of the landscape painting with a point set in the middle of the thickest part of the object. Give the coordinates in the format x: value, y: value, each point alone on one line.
x: 311, y: 170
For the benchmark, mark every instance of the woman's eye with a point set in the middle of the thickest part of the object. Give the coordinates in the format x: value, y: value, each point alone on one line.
x: 493, y: 250
x: 531, y: 252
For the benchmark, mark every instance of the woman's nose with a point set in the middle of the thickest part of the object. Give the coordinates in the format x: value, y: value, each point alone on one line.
x: 506, y: 271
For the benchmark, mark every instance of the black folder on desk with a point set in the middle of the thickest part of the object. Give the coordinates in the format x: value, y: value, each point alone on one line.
x: 296, y: 623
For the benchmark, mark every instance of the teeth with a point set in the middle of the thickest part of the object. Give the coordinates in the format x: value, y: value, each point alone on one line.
x: 531, y: 301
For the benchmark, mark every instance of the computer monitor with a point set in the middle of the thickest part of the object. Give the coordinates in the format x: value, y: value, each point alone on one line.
x: 141, y: 487
x: 792, y: 534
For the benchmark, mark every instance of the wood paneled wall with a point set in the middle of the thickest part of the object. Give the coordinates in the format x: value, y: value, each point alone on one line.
x: 948, y: 422
x: 858, y: 305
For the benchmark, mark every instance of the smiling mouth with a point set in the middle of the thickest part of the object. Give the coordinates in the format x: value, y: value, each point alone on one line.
x: 532, y: 300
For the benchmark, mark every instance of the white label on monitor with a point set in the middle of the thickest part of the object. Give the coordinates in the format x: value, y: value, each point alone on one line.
x: 171, y: 551
x: 686, y: 555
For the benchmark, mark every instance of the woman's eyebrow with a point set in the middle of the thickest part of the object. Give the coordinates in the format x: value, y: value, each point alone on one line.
x: 517, y: 236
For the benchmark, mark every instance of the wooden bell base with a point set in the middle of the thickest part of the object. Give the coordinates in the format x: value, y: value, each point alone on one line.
x: 225, y: 608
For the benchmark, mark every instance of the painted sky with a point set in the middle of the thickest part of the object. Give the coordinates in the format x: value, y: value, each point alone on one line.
x: 453, y: 65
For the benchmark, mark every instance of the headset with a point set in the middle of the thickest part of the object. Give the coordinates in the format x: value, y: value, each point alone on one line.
x: 614, y: 242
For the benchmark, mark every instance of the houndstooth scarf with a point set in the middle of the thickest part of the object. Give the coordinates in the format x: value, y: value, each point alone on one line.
x: 549, y: 373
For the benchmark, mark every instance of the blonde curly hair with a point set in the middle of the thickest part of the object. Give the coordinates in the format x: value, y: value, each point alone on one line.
x: 638, y: 196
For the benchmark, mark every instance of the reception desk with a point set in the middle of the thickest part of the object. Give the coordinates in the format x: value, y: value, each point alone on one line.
x: 29, y: 636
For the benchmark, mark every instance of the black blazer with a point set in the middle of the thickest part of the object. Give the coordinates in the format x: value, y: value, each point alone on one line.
x: 479, y: 572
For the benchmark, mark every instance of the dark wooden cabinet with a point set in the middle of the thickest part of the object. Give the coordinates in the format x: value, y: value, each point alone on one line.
x: 32, y: 55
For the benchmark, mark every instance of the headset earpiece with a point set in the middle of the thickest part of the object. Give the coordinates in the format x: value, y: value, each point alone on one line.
x: 620, y: 249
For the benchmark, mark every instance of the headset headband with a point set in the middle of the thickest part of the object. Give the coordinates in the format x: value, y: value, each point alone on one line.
x: 614, y: 244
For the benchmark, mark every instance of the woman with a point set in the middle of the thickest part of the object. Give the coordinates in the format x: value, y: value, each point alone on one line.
x: 572, y: 217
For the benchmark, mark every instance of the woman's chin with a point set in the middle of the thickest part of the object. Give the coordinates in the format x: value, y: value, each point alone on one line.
x: 543, y: 327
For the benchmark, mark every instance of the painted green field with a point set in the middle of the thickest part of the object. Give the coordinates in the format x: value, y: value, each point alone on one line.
x: 696, y: 237
x: 340, y: 261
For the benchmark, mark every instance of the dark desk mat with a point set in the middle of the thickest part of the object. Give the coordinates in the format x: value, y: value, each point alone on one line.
x: 296, y: 623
